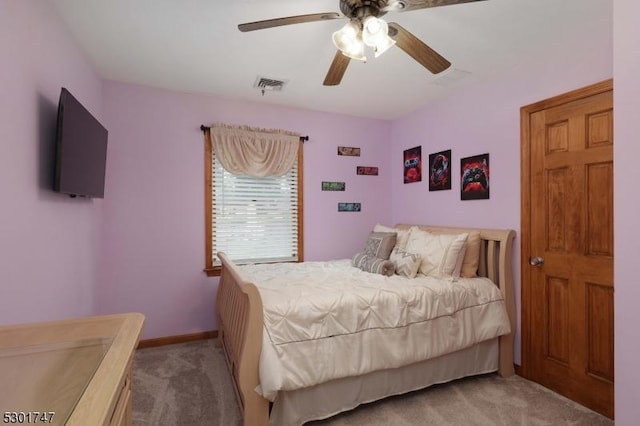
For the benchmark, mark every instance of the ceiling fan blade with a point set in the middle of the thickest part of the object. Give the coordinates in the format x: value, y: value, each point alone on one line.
x: 337, y: 69
x: 408, y: 5
x: 277, y: 22
x: 414, y: 47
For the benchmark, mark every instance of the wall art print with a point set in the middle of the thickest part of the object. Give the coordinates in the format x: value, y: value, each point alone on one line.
x: 349, y: 151
x: 413, y: 164
x: 440, y: 170
x: 474, y: 177
x: 367, y: 170
x: 333, y: 186
x: 349, y: 207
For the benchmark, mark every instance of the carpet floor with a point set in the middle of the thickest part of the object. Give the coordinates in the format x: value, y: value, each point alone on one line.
x: 188, y: 384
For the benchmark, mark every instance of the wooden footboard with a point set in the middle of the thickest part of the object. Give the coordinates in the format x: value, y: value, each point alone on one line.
x: 240, y: 328
x: 240, y: 318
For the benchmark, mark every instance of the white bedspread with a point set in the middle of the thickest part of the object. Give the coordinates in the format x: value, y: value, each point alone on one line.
x: 327, y: 320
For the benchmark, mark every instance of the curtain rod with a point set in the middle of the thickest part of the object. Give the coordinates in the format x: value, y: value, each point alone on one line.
x: 203, y: 128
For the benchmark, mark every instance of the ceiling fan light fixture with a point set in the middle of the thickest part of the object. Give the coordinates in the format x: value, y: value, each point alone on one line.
x: 348, y: 40
x: 355, y: 51
x: 396, y: 5
x: 375, y: 33
x: 365, y: 27
x: 383, y: 46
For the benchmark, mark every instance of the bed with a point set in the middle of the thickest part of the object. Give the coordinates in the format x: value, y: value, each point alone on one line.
x: 296, y: 358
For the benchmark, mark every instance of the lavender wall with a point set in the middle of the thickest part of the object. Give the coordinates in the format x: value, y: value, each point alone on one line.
x: 48, y: 242
x: 486, y: 118
x: 148, y: 251
x: 153, y: 245
x: 626, y: 68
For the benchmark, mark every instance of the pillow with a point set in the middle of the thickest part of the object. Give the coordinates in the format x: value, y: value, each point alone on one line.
x: 406, y: 263
x: 456, y: 271
x: 439, y: 252
x: 403, y: 234
x: 373, y: 264
x: 380, y: 244
x: 471, y: 256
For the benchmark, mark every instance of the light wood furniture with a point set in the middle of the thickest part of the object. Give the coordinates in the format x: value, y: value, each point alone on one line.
x: 76, y: 371
x: 240, y: 318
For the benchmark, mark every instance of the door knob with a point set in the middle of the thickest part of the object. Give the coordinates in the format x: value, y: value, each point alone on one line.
x: 536, y: 261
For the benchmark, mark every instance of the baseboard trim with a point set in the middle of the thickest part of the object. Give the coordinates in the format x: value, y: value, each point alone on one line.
x: 172, y: 340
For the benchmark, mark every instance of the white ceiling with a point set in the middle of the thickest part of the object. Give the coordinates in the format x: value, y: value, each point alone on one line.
x: 195, y: 46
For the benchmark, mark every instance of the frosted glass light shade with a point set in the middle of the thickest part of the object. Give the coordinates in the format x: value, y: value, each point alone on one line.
x: 375, y: 34
x: 383, y: 46
x: 349, y: 41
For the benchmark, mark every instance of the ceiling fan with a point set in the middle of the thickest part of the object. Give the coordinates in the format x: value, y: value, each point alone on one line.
x: 366, y: 28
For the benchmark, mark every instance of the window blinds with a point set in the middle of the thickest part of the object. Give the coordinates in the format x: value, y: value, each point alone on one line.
x: 255, y: 220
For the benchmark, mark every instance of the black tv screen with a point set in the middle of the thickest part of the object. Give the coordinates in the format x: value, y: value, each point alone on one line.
x: 81, y: 150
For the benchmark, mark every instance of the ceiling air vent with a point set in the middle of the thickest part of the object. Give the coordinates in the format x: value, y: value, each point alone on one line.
x: 268, y: 84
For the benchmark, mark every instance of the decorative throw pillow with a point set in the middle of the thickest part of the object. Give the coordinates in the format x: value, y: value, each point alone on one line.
x: 357, y: 259
x: 439, y: 252
x: 406, y: 263
x: 373, y: 264
x: 403, y: 234
x: 380, y: 244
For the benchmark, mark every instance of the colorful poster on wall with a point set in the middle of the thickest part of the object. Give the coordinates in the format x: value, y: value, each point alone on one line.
x: 349, y: 207
x: 349, y: 151
x: 367, y: 170
x: 333, y: 186
x: 440, y: 171
x: 413, y: 165
x: 474, y: 177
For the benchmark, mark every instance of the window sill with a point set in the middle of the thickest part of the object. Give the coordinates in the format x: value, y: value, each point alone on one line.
x: 217, y: 270
x: 213, y: 272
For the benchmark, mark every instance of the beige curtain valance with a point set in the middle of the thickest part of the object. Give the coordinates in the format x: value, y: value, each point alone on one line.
x: 254, y: 152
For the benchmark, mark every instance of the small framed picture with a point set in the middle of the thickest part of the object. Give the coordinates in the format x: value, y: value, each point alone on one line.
x: 440, y: 170
x: 474, y: 177
x: 333, y: 186
x: 367, y: 170
x: 349, y: 151
x: 413, y: 165
x: 349, y: 207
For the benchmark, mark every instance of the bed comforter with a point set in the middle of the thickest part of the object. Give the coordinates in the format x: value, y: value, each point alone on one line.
x: 328, y: 320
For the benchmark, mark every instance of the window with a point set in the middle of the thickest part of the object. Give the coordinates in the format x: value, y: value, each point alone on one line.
x: 252, y: 220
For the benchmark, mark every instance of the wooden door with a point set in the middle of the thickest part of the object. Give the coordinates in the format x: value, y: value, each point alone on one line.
x: 567, y: 245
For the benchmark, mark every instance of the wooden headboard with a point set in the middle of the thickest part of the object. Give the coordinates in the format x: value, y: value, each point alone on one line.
x: 496, y: 264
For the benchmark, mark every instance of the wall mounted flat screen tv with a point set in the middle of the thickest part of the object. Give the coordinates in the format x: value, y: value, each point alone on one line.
x: 81, y: 150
